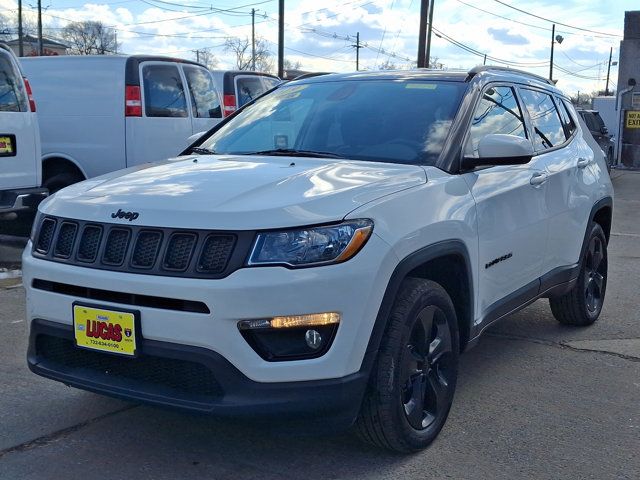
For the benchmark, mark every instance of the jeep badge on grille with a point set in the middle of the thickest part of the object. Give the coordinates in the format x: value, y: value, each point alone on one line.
x: 131, y: 216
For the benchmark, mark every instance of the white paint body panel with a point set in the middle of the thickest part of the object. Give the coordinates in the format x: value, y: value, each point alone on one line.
x: 81, y: 105
x: 24, y: 169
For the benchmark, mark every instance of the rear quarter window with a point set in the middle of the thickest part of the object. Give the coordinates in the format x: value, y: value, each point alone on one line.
x: 12, y: 95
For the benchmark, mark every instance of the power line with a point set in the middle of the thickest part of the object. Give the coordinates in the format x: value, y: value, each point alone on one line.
x: 555, y: 21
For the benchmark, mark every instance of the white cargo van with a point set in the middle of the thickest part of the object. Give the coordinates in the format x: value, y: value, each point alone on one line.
x: 239, y: 87
x: 20, y: 168
x: 103, y: 113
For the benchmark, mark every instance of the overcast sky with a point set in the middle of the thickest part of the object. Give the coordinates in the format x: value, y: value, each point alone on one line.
x: 317, y: 31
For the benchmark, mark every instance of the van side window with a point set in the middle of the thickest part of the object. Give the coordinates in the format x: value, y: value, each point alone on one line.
x: 12, y: 98
x: 204, y: 97
x: 497, y: 112
x: 547, y: 127
x: 567, y: 120
x: 249, y: 88
x: 163, y: 91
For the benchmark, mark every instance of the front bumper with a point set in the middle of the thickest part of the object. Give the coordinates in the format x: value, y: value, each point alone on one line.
x: 191, y: 378
x: 22, y: 199
x: 354, y: 289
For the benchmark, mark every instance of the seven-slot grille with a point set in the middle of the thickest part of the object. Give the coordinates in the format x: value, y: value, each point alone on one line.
x: 150, y: 250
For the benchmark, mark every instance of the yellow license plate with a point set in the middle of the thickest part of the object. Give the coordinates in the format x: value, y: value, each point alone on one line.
x: 6, y: 145
x: 105, y: 330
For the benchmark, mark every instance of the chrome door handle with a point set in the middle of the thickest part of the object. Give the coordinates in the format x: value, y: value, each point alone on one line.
x: 583, y: 162
x: 538, y: 179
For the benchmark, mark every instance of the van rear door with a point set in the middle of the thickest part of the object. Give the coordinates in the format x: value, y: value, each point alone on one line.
x: 164, y: 126
x: 19, y: 139
x: 205, y: 101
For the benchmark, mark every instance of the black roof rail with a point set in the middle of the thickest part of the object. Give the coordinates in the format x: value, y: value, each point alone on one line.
x: 492, y: 68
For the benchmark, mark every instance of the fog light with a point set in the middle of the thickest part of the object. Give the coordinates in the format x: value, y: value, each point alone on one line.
x: 290, y: 337
x: 314, y: 339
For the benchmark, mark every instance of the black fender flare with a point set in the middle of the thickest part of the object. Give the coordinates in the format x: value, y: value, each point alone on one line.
x: 402, y: 270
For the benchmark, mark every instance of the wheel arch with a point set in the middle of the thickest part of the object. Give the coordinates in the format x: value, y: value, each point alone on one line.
x: 55, y: 163
x: 428, y: 263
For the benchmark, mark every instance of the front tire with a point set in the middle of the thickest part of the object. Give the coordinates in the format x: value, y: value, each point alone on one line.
x: 582, y: 305
x: 412, y: 384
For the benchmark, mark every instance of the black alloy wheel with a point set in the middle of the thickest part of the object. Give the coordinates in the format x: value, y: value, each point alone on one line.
x: 426, y: 369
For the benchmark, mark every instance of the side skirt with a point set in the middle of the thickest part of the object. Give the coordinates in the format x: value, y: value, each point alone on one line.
x: 554, y: 283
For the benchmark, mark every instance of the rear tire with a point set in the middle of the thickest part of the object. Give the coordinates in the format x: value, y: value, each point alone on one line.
x: 60, y: 180
x: 609, y: 160
x: 413, y: 381
x: 582, y: 305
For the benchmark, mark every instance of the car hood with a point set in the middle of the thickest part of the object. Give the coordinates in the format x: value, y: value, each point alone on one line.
x: 233, y: 192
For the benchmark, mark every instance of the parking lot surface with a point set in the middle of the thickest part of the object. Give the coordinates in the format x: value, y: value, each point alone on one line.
x: 535, y: 400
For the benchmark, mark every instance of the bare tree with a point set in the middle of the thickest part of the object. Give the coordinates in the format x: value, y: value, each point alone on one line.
x: 90, y: 38
x: 241, y: 48
x: 206, y: 57
x: 387, y: 65
x: 291, y: 65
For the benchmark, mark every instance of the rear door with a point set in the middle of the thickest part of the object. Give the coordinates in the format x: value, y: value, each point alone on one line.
x: 165, y: 125
x: 571, y: 179
x: 205, y: 102
x: 511, y: 209
x: 19, y: 140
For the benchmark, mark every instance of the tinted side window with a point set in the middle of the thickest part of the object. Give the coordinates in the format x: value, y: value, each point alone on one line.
x: 163, y: 91
x: 12, y: 98
x: 204, y: 97
x: 497, y: 112
x: 547, y: 127
x: 567, y: 120
x: 248, y: 89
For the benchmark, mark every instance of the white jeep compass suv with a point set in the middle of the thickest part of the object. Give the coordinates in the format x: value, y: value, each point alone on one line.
x: 326, y: 251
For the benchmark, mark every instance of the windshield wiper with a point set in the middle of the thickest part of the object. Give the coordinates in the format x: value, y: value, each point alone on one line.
x: 292, y: 152
x: 201, y: 151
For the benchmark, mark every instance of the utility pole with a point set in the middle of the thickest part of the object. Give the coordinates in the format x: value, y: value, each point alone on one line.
x: 281, y: 39
x: 357, y: 46
x: 20, y: 46
x: 422, y: 32
x: 40, y: 46
x: 253, y: 39
x: 197, y: 52
x: 429, y: 29
x: 484, y: 62
x: 606, y: 88
x: 553, y: 34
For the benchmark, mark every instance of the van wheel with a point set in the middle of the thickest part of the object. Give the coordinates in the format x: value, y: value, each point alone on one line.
x: 60, y: 180
x: 582, y: 305
x: 412, y: 384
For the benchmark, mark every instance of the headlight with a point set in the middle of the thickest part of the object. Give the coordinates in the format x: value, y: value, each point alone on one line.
x: 311, y: 246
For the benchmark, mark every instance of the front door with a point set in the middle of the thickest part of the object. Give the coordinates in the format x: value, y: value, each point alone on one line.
x: 511, y: 211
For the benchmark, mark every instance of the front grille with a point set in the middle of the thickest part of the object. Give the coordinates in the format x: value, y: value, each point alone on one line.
x: 46, y: 235
x: 143, y: 250
x: 65, y: 240
x: 116, y: 248
x: 215, y: 253
x: 146, y: 249
x: 89, y: 243
x: 148, y: 372
x: 179, y: 251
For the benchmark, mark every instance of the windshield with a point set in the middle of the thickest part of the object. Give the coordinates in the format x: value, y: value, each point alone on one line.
x: 399, y: 121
